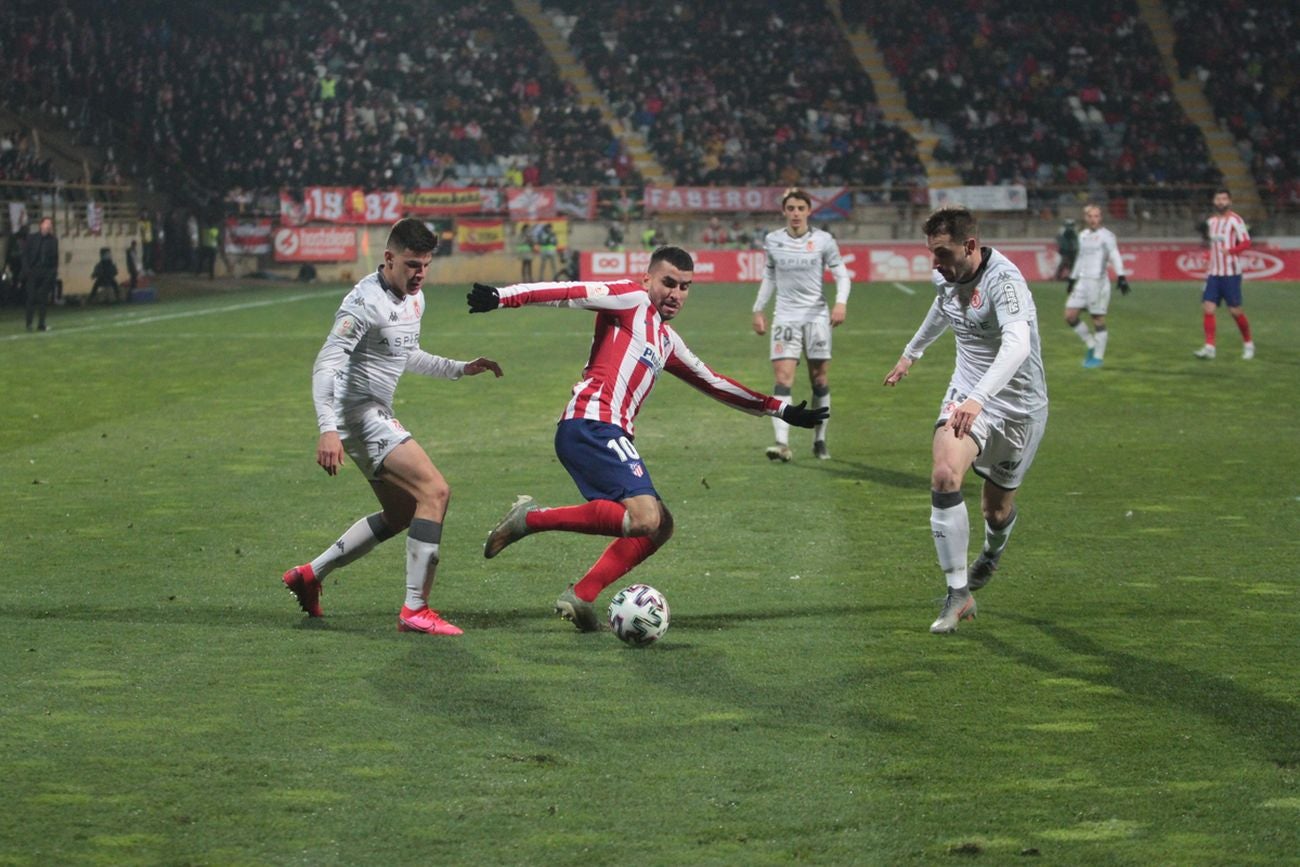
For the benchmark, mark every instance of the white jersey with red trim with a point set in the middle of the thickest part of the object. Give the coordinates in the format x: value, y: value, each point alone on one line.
x: 631, y: 346
x: 1226, y: 231
x: 1097, y: 250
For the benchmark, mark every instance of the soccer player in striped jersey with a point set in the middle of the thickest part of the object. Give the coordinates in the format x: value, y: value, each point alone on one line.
x: 374, y: 340
x: 1229, y: 238
x: 1089, y: 287
x: 993, y: 415
x: 797, y: 256
x: 595, y: 436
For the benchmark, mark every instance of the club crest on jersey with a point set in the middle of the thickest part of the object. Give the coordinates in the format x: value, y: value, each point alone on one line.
x: 637, y: 469
x: 976, y: 299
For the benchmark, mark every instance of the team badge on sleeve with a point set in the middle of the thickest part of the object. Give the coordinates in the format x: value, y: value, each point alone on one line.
x: 346, y: 327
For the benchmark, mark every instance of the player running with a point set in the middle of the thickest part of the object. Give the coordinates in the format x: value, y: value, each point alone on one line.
x: 1089, y: 287
x: 375, y: 339
x: 1228, y: 240
x: 797, y: 256
x: 994, y: 412
x: 633, y: 344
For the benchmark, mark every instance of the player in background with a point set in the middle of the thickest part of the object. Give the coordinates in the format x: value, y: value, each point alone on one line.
x: 594, y: 438
x: 993, y: 415
x: 374, y: 340
x: 1228, y: 240
x: 1089, y: 287
x: 797, y: 257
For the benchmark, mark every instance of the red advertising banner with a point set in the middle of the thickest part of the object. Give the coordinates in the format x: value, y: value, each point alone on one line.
x: 248, y: 237
x: 912, y: 263
x: 316, y: 244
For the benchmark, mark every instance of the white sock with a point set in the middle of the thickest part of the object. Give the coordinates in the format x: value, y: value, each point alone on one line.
x: 779, y: 427
x: 421, y: 560
x: 995, y: 541
x: 1099, y: 351
x: 950, y: 524
x: 1081, y: 329
x: 819, y: 400
x: 357, y: 541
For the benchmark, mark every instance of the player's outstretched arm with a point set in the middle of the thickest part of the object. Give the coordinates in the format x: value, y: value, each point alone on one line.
x: 802, y: 416
x: 483, y: 298
x: 899, y: 371
x: 480, y: 365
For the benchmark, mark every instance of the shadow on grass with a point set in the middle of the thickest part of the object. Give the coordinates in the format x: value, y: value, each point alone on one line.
x: 868, y: 473
x: 1273, y: 726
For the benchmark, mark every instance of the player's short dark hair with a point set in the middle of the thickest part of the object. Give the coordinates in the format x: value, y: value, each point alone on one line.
x: 1227, y: 192
x: 675, y: 256
x: 955, y: 221
x: 796, y: 193
x: 413, y: 235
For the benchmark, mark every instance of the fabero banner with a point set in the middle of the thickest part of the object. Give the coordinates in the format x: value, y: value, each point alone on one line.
x: 316, y: 244
x: 829, y: 203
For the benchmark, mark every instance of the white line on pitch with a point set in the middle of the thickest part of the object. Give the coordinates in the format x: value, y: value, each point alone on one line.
x: 161, y: 317
x: 905, y: 289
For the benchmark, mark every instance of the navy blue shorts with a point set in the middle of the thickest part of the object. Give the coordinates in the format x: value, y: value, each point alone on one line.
x: 602, y: 460
x: 1223, y: 289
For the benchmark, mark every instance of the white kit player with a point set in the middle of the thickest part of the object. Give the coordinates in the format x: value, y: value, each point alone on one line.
x: 994, y: 412
x: 374, y: 340
x: 797, y: 257
x: 1089, y: 287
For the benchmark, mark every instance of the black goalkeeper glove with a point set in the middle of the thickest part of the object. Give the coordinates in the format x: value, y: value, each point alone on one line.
x: 1069, y: 287
x: 802, y: 416
x: 1123, y: 284
x: 483, y: 298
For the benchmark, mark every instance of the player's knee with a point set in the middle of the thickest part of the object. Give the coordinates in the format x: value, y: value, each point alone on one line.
x: 642, y: 524
x: 666, y: 524
x: 945, y: 477
x: 1071, y: 319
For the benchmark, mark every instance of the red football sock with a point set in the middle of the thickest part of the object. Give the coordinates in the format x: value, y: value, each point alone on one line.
x: 1244, y: 326
x: 598, y: 517
x: 1209, y: 329
x: 619, y: 559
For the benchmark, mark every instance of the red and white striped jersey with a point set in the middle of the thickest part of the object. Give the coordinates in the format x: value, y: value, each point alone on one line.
x: 1226, y: 232
x: 629, y: 349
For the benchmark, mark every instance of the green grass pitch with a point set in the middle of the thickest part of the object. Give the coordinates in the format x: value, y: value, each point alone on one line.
x: 1128, y: 694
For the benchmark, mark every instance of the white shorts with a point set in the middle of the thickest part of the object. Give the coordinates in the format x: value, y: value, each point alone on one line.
x: 1007, y: 446
x: 812, y: 340
x: 1091, y: 294
x: 370, y: 433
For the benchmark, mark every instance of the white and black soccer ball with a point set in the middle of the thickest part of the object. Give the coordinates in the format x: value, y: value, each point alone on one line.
x: 638, y: 615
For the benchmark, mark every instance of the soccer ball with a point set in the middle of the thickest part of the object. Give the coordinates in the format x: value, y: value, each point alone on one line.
x: 638, y: 615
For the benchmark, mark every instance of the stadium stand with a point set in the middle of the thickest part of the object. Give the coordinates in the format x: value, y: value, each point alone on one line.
x: 741, y: 92
x: 304, y: 94
x: 1244, y: 56
x: 1040, y: 94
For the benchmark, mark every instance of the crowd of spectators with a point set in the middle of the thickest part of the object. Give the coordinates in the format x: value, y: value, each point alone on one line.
x: 1244, y: 56
x: 741, y: 91
x: 19, y: 160
x: 1040, y: 94
x: 365, y: 93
